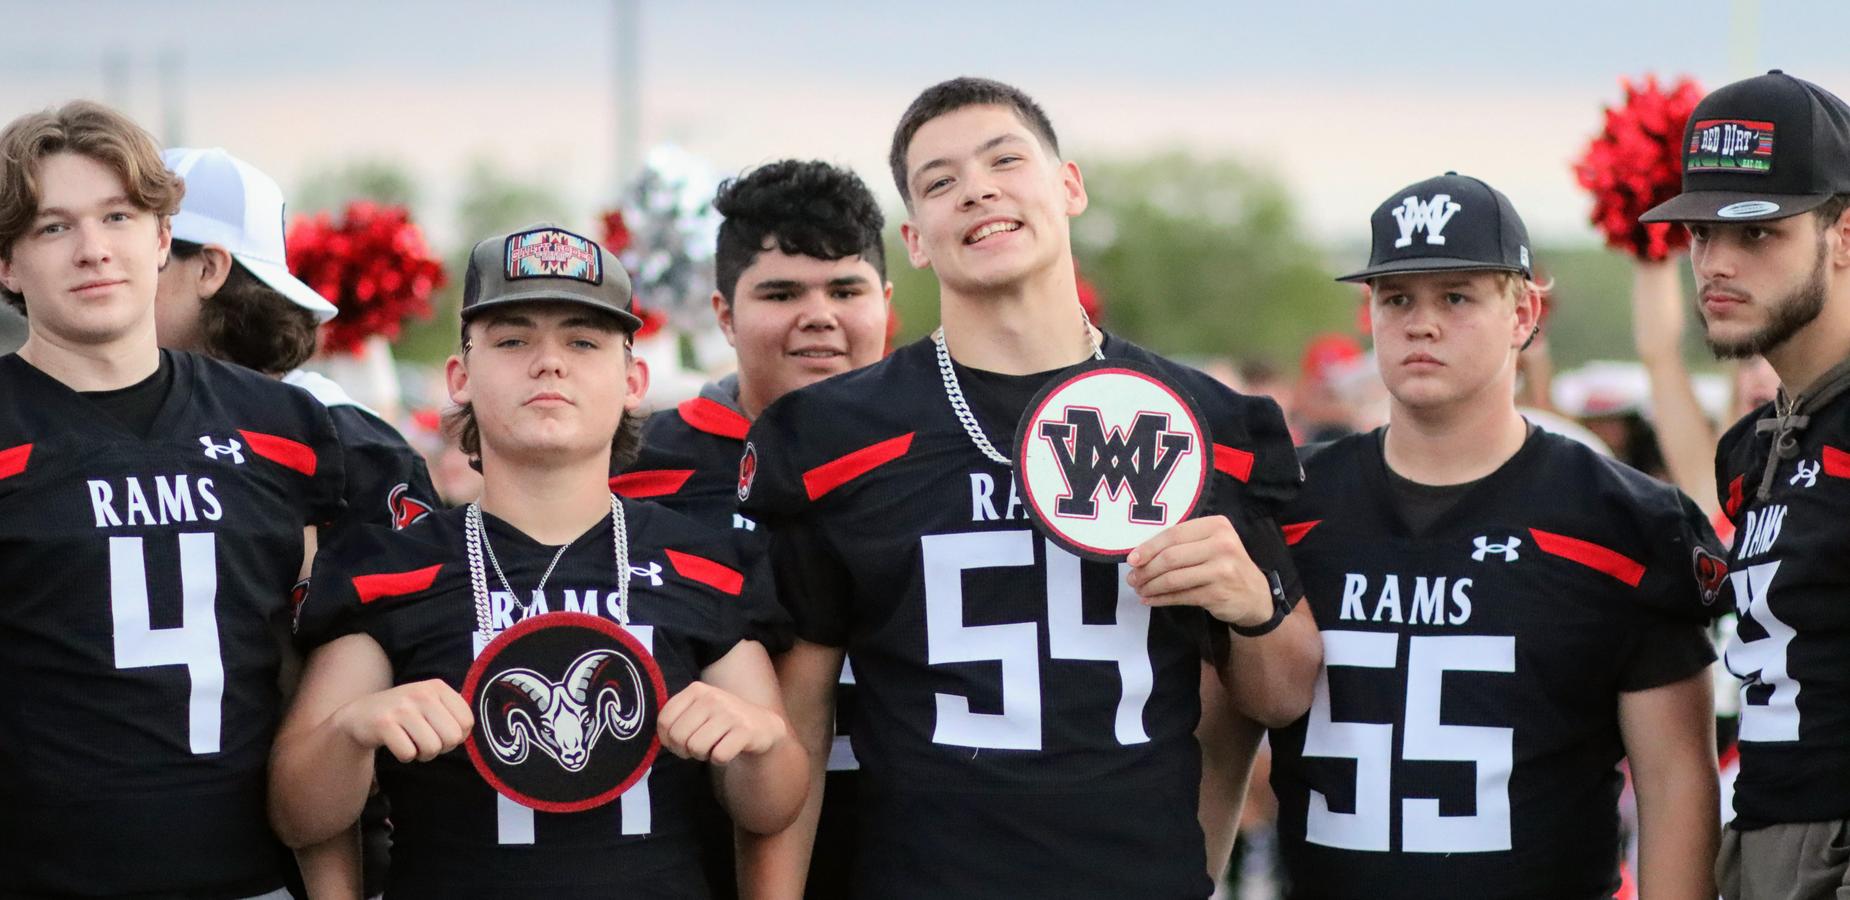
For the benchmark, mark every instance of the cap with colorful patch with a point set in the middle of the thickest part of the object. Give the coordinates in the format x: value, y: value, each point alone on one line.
x: 544, y: 262
x: 1768, y: 147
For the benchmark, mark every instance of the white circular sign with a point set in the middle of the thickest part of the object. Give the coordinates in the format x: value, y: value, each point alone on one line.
x: 1747, y: 208
x: 1109, y: 455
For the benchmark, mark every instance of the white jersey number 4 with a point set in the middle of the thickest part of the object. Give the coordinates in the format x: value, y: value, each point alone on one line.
x: 1424, y: 738
x: 193, y: 643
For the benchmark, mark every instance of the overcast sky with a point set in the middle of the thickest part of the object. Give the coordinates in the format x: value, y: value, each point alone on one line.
x: 1345, y: 100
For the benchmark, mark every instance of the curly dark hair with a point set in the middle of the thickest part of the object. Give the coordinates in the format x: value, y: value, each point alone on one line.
x: 809, y: 208
x: 250, y: 323
x: 951, y: 96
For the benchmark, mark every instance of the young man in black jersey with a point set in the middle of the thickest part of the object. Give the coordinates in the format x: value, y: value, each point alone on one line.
x: 802, y: 296
x: 545, y: 385
x: 1025, y: 720
x: 1505, y: 614
x: 1766, y: 185
x: 228, y: 293
x: 155, y: 508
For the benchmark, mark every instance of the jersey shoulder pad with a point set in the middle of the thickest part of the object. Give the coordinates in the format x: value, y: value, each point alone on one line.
x: 817, y: 438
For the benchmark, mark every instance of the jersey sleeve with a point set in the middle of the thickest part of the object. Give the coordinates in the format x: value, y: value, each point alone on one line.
x: 810, y: 581
x: 1665, y: 650
x: 331, y: 607
x: 1686, y: 574
x: 387, y: 481
x: 1256, y: 475
x: 328, y: 484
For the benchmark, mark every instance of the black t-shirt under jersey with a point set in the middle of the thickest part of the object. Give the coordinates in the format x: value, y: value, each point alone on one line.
x: 136, y: 406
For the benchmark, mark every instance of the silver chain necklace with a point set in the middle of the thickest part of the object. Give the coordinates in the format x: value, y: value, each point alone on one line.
x: 954, y: 392
x: 475, y: 537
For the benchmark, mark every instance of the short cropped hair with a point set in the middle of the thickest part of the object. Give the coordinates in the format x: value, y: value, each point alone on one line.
x: 805, y: 209
x: 951, y: 96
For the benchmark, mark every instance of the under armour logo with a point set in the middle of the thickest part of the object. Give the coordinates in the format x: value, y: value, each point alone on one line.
x: 1808, y: 473
x: 1429, y: 216
x: 231, y: 447
x: 652, y: 571
x: 1485, y: 547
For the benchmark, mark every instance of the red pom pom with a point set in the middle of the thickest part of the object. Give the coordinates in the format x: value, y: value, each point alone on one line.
x: 617, y: 235
x: 1635, y: 163
x: 373, y: 264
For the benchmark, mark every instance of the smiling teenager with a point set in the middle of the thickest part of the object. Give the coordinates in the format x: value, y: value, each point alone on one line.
x: 530, y: 627
x: 153, y: 507
x: 1025, y: 718
x: 1766, y: 186
x: 1505, y: 613
x: 802, y: 296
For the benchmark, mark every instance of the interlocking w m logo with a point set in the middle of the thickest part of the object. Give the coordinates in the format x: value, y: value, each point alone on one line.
x: 1430, y: 216
x: 1092, y: 459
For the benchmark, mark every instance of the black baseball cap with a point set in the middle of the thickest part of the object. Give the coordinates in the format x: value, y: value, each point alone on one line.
x: 1769, y: 147
x: 1450, y: 223
x: 546, y: 262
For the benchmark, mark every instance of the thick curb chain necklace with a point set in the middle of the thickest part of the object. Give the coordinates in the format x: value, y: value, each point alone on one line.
x: 476, y: 540
x: 954, y: 392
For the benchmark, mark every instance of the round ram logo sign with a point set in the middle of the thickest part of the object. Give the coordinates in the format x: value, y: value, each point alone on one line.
x: 565, y: 706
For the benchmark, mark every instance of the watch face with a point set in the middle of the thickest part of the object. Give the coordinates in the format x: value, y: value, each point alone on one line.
x: 1110, y: 455
x: 565, y: 708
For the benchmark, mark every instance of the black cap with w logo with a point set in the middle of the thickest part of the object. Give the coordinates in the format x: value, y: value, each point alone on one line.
x: 1769, y: 147
x: 1450, y: 223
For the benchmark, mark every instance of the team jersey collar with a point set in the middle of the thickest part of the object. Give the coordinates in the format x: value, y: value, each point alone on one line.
x: 1792, y: 415
x: 1481, y: 495
x: 717, y: 411
x: 65, y: 408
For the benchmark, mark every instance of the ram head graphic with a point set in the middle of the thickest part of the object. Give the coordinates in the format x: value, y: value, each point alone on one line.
x: 602, y: 691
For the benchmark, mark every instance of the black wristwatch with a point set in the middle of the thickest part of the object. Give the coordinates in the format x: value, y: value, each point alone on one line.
x: 1281, y: 607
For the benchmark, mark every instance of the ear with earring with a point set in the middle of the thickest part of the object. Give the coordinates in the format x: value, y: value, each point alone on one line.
x: 1533, y: 333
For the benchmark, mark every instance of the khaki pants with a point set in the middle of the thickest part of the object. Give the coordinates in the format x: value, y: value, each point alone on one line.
x: 1798, y: 861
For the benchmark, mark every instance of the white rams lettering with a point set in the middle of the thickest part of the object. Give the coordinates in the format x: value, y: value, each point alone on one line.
x: 982, y: 500
x: 1429, y: 600
x: 176, y: 498
x: 502, y: 611
x: 1761, y: 530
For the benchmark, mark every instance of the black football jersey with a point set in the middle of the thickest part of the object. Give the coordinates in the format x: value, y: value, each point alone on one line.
x: 148, y: 581
x: 690, y: 462
x: 1025, y: 724
x: 454, y: 836
x: 1790, y: 570
x: 1464, y: 736
x: 388, y: 482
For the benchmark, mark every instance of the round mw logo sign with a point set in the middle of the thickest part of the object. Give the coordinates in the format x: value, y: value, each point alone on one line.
x: 565, y: 706
x: 1109, y: 455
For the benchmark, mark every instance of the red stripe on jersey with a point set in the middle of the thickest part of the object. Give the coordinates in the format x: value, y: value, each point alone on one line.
x: 1836, y: 462
x: 649, y: 482
x: 13, y: 460
x: 394, y: 584
x: 1233, y: 461
x: 831, y: 475
x: 707, y: 572
x: 1732, y: 506
x: 1591, y: 555
x: 1296, y: 531
x: 282, y: 451
x: 714, y: 418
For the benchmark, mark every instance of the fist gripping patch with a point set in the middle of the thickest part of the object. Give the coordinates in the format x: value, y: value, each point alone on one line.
x: 565, y: 707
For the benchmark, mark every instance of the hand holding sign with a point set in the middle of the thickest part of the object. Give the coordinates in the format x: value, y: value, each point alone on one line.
x: 1202, y: 562
x: 708, y: 724
x: 420, y: 721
